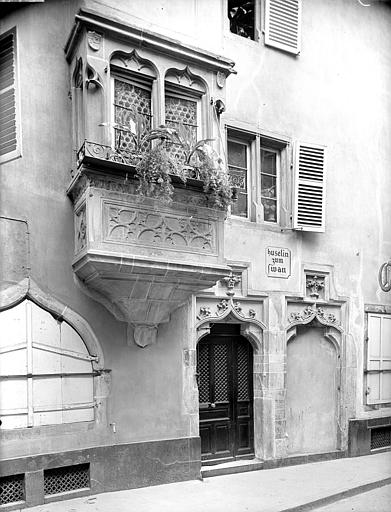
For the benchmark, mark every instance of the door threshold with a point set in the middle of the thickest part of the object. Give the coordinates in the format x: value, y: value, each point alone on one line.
x: 231, y: 467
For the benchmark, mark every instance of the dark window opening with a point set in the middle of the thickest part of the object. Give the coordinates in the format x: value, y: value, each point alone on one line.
x: 241, y: 14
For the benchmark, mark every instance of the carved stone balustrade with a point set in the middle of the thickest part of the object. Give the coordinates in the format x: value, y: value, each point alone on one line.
x: 140, y: 257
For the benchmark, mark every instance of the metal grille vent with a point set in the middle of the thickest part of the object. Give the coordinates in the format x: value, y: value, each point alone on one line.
x: 203, y: 372
x: 11, y: 489
x: 380, y: 437
x: 243, y: 393
x: 69, y: 478
x: 221, y: 373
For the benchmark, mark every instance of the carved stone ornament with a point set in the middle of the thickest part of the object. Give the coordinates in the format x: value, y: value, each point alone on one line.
x: 81, y: 230
x: 230, y: 282
x: 145, y: 335
x: 311, y: 312
x: 135, y: 225
x: 314, y: 284
x: 385, y: 276
x: 94, y: 40
x: 220, y: 79
x: 223, y: 308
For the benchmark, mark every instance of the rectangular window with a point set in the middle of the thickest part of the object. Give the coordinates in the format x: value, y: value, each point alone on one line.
x: 132, y: 114
x: 378, y: 371
x: 9, y: 143
x: 182, y: 113
x: 241, y: 15
x: 238, y: 174
x: 270, y: 184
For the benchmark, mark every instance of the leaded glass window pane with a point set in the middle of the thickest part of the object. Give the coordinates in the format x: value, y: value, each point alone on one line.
x: 181, y: 114
x: 132, y: 112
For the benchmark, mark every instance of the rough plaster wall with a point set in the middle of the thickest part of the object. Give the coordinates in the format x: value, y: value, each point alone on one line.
x: 33, y: 188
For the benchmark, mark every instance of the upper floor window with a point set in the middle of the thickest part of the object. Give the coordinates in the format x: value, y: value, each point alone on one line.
x: 241, y: 14
x: 46, y: 374
x: 270, y: 184
x: 132, y: 112
x: 279, y: 20
x: 238, y: 152
x: 9, y: 125
x: 378, y: 360
x: 274, y: 187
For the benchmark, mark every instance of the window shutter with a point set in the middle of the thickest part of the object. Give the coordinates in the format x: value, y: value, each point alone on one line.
x: 309, y: 200
x: 8, y: 129
x: 283, y: 24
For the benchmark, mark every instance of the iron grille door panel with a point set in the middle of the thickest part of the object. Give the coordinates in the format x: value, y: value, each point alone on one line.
x: 226, y: 397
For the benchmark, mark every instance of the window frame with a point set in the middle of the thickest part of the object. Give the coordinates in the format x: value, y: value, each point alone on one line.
x: 17, y: 152
x: 278, y: 183
x: 185, y: 93
x: 137, y: 79
x: 280, y: 144
x: 248, y: 144
x: 382, y: 312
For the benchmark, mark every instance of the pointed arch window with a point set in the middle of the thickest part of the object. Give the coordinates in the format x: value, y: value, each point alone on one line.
x: 46, y: 373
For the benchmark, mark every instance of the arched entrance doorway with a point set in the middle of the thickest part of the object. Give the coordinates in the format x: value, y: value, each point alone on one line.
x: 225, y: 384
x: 311, y: 384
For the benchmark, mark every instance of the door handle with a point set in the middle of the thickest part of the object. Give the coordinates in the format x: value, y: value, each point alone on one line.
x: 213, y: 405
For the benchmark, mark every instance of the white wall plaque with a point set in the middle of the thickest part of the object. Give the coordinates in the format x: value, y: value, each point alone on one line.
x: 278, y: 262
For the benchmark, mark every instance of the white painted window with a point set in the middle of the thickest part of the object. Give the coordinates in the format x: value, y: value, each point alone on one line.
x: 46, y: 374
x: 309, y: 188
x: 238, y: 152
x: 270, y: 184
x: 378, y: 371
x: 283, y: 24
x: 9, y: 108
x: 259, y: 169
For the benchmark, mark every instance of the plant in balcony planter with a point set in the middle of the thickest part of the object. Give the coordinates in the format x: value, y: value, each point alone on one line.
x: 157, y: 165
x: 212, y: 172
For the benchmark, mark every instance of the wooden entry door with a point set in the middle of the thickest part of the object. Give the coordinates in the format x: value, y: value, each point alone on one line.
x: 225, y: 360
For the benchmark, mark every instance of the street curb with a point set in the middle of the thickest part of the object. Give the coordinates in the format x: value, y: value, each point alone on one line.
x: 327, y: 500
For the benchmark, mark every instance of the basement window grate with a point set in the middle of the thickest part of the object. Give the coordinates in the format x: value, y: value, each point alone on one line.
x: 11, y: 489
x: 66, y: 479
x: 380, y: 437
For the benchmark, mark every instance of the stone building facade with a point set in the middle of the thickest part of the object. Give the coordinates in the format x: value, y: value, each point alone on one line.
x: 141, y: 337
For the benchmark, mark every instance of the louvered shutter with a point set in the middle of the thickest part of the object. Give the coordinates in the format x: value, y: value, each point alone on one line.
x: 283, y: 24
x: 309, y: 193
x: 8, y: 129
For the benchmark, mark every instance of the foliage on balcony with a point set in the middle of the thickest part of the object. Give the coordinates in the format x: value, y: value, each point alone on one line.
x: 156, y: 163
